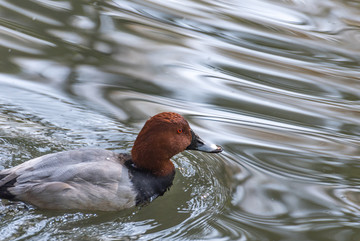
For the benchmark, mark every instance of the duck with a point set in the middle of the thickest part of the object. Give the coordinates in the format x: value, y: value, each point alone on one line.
x: 103, y: 180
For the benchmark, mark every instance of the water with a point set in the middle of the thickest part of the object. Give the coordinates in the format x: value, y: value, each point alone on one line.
x: 276, y: 83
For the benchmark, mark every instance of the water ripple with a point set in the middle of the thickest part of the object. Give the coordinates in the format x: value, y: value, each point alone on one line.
x: 274, y: 82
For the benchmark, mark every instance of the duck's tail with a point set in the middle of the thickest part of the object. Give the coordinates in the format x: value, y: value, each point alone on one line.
x: 7, y: 181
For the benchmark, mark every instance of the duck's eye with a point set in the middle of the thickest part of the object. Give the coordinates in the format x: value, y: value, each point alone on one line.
x: 179, y: 131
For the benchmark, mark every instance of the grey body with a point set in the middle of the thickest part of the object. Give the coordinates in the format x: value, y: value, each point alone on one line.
x: 90, y: 179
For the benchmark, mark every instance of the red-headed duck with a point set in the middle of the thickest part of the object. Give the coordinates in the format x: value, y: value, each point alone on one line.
x: 93, y: 179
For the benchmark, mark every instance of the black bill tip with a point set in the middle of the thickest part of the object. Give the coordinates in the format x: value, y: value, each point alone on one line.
x: 199, y: 145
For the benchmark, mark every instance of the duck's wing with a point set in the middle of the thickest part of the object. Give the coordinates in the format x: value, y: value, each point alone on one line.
x: 82, y: 179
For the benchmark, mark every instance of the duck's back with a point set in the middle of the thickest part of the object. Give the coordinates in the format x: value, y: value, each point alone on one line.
x: 90, y: 179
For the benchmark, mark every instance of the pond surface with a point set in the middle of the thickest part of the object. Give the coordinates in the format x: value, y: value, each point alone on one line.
x: 275, y: 82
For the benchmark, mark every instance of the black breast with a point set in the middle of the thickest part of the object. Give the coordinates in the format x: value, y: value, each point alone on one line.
x: 148, y: 185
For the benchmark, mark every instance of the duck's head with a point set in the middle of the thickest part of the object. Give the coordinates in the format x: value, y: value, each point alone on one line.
x: 163, y: 136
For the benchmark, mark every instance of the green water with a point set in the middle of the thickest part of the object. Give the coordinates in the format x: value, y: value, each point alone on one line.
x: 276, y: 83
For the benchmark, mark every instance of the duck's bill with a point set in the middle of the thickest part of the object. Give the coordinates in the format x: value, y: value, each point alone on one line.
x: 199, y: 145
